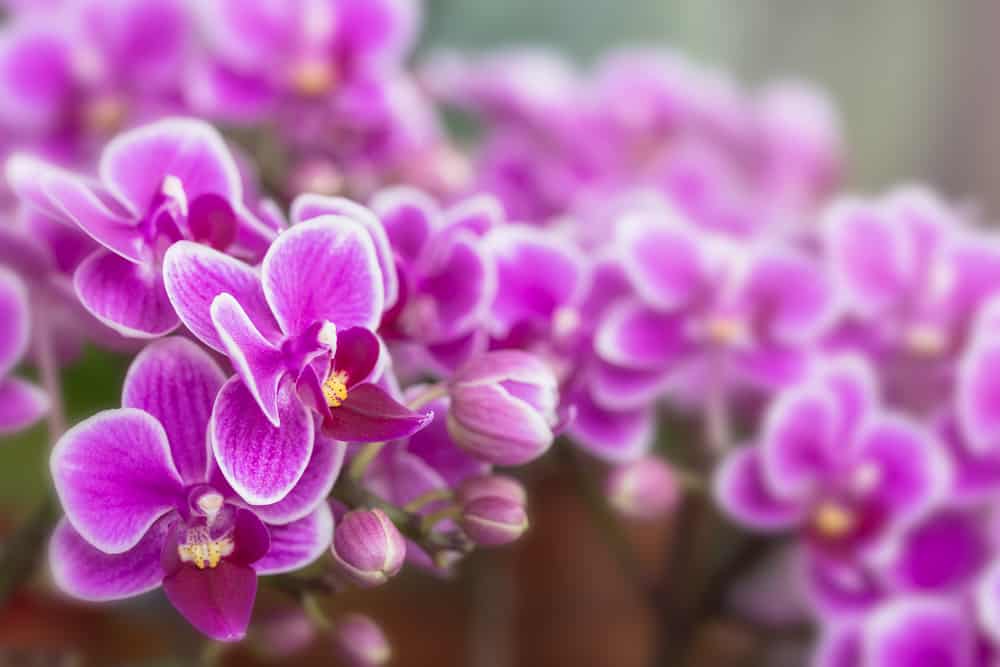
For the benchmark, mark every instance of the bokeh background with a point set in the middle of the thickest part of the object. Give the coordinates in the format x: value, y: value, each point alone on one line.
x: 916, y: 84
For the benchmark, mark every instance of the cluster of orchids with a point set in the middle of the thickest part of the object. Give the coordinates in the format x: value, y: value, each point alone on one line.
x: 350, y: 327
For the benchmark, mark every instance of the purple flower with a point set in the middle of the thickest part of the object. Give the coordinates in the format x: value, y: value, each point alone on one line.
x: 710, y: 310
x: 68, y: 84
x: 299, y: 334
x: 146, y: 504
x: 159, y: 184
x: 21, y: 403
x: 447, y: 281
x: 905, y: 632
x: 913, y: 279
x: 493, y: 520
x: 832, y: 465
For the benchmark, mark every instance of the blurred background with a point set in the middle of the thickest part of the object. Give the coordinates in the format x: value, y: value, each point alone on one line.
x: 915, y: 83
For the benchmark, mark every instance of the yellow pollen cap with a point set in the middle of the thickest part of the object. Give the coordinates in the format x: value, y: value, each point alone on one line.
x: 335, y: 389
x: 833, y: 520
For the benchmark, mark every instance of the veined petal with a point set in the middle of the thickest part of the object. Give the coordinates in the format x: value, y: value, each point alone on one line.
x: 919, y: 631
x: 88, y: 573
x: 130, y: 298
x: 312, y: 488
x: 297, y: 544
x: 262, y: 463
x: 324, y: 270
x: 195, y: 274
x: 309, y: 206
x: 115, y: 477
x: 176, y: 381
x: 259, y: 363
x: 134, y: 164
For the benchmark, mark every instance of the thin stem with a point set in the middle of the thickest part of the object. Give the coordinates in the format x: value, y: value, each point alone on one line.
x: 431, y: 496
x: 428, y: 523
x: 363, y: 459
x: 428, y: 395
x: 315, y: 612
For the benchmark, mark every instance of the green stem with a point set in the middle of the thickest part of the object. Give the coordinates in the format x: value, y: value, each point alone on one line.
x: 428, y: 523
x: 431, y: 496
x: 363, y: 459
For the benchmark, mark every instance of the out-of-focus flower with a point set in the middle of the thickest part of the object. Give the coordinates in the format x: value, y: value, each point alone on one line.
x: 71, y: 79
x: 146, y: 505
x: 284, y: 633
x: 299, y: 334
x: 361, y: 641
x: 21, y: 403
x: 493, y: 520
x: 162, y: 183
x: 710, y: 309
x: 830, y: 463
x: 913, y: 280
x: 447, y: 278
x: 367, y: 548
x: 644, y: 489
x: 503, y: 407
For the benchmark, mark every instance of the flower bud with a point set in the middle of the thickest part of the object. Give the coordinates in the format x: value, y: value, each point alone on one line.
x: 367, y: 547
x: 492, y: 521
x: 499, y: 486
x: 503, y: 407
x: 361, y: 641
x: 644, y: 489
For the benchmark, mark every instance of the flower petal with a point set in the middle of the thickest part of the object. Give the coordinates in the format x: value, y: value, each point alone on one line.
x: 259, y: 364
x: 978, y: 395
x: 195, y: 274
x: 666, y: 263
x: 370, y: 414
x: 916, y: 632
x: 21, y: 404
x: 358, y: 353
x: 615, y: 436
x: 262, y: 463
x: 324, y: 270
x: 176, y: 381
x: 434, y: 446
x: 129, y: 298
x: 792, y: 293
x: 216, y: 601
x: 312, y: 488
x: 297, y: 544
x: 799, y: 445
x: 134, y: 165
x: 741, y: 490
x: 16, y: 323
x: 87, y: 573
x: 115, y: 477
x: 409, y: 217
x: 913, y: 473
x: 308, y: 206
x: 634, y: 336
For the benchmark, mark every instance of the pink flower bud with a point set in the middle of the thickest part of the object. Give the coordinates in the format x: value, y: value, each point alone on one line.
x: 503, y: 407
x: 368, y: 548
x: 644, y: 489
x: 492, y: 521
x: 499, y: 486
x: 361, y: 641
